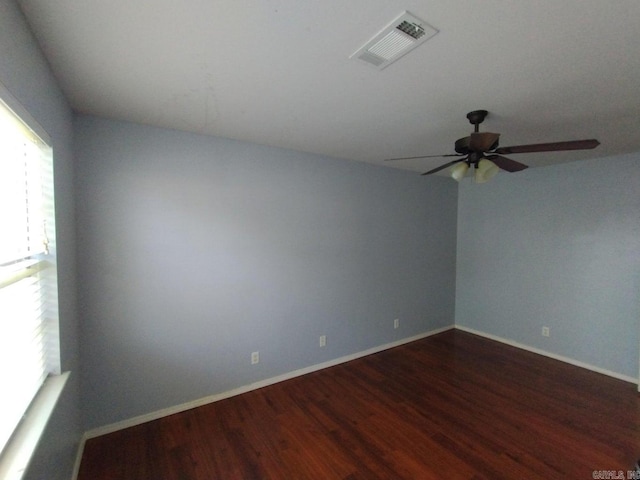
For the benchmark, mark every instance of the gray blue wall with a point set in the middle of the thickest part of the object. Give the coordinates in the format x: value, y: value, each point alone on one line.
x: 556, y: 246
x: 195, y: 251
x: 25, y: 73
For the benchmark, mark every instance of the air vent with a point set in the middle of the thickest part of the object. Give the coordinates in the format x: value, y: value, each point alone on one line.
x: 394, y: 41
x: 414, y: 30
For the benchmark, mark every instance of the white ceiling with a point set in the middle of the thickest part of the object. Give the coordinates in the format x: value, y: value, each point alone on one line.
x: 277, y: 72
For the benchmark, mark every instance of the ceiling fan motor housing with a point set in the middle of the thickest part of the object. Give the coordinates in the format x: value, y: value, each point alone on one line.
x: 462, y: 145
x: 475, y: 118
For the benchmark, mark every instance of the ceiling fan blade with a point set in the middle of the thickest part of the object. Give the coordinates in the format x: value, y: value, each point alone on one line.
x: 550, y: 147
x: 424, y: 156
x: 483, y: 141
x: 442, y: 167
x: 506, y: 163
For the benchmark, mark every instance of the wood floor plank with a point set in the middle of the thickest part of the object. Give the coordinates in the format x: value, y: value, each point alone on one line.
x: 449, y: 406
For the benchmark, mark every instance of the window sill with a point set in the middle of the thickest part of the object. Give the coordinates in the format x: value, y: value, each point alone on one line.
x: 22, y: 445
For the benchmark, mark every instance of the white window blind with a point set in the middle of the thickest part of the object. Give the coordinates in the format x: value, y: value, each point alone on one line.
x: 29, y: 340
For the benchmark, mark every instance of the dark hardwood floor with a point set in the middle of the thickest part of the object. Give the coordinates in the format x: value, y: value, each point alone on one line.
x: 451, y: 406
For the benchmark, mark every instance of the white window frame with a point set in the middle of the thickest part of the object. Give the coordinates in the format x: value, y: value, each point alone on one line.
x: 17, y: 453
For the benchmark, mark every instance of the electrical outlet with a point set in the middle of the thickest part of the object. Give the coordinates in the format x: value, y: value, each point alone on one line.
x: 546, y: 332
x: 323, y: 340
x: 255, y: 358
x: 396, y: 323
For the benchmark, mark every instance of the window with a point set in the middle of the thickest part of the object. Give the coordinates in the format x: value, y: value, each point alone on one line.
x: 29, y: 340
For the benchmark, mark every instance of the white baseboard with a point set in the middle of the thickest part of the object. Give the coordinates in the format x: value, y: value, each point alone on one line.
x: 539, y: 351
x: 148, y: 417
x: 76, y: 465
x: 96, y: 432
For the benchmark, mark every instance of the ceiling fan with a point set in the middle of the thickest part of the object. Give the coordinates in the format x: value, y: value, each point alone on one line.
x: 481, y: 151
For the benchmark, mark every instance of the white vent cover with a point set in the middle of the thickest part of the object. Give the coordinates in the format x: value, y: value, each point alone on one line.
x: 394, y: 41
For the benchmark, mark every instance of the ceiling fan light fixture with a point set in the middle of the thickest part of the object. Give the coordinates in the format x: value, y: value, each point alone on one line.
x: 459, y: 171
x: 485, y: 170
